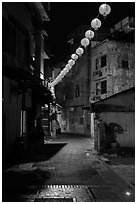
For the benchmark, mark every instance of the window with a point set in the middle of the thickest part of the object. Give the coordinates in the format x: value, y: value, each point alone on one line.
x: 97, y: 64
x: 77, y: 91
x: 103, y: 87
x: 125, y: 64
x: 81, y: 120
x: 123, y: 60
x: 103, y: 61
x: 98, y: 88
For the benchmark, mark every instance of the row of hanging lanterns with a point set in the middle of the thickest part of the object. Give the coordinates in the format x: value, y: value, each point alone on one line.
x: 104, y: 10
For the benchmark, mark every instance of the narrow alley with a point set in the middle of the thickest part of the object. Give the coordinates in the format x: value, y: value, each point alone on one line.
x: 65, y: 169
x: 68, y: 101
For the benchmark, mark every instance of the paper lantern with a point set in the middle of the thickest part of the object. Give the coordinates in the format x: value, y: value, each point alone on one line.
x: 89, y: 34
x: 66, y: 70
x: 68, y: 66
x: 85, y: 42
x: 79, y: 51
x: 74, y: 57
x: 71, y: 62
x: 104, y: 9
x: 96, y: 23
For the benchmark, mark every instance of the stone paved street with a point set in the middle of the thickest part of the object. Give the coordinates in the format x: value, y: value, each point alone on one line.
x: 66, y: 167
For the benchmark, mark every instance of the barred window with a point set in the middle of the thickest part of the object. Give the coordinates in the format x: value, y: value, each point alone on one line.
x: 125, y: 64
x: 98, y: 88
x: 97, y: 64
x: 103, y: 61
x: 103, y: 87
x: 81, y: 120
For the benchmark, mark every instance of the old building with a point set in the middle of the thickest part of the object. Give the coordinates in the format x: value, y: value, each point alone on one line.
x: 105, y: 69
x: 113, y: 72
x: 23, y: 60
x: 113, y: 122
x: 75, y: 89
x: 113, y: 68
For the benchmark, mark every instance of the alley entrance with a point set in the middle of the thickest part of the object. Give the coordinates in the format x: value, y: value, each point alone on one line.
x: 64, y: 169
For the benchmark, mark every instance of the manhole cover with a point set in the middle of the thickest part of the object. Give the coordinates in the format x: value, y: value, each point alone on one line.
x: 54, y: 199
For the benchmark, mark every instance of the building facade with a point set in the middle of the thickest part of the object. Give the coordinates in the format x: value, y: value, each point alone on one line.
x: 113, y: 68
x: 105, y: 69
x: 23, y: 63
x: 113, y: 83
x: 73, y: 94
x: 114, y: 123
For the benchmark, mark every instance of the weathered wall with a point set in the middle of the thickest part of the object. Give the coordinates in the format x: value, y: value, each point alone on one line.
x: 126, y: 121
x: 118, y: 78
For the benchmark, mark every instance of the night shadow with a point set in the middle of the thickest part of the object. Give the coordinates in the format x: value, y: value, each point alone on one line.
x: 45, y: 152
x: 39, y: 153
x: 117, y: 127
x: 110, y: 131
x: 16, y: 183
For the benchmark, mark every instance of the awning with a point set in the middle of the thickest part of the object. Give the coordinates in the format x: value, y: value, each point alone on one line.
x: 120, y: 102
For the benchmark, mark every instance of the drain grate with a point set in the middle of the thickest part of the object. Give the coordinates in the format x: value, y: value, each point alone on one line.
x: 64, y: 193
x: 54, y: 199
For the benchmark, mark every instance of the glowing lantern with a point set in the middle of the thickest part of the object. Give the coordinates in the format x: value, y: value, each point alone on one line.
x: 62, y: 73
x: 85, y: 42
x: 56, y: 81
x: 71, y: 62
x: 58, y: 78
x: 89, y: 34
x: 66, y: 70
x: 74, y: 56
x: 68, y: 66
x: 104, y: 9
x: 96, y: 23
x: 79, y: 51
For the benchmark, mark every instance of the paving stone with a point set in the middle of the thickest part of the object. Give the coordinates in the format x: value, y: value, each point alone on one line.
x: 67, y: 172
x: 104, y: 194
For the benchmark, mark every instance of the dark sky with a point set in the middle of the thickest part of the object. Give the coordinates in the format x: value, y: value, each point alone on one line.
x: 66, y: 16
